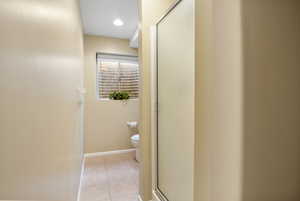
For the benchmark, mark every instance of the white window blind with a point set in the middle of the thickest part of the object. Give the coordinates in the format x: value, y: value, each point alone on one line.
x: 117, y: 73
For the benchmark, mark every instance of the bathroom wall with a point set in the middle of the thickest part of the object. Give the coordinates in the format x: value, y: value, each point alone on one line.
x: 105, y: 120
x: 272, y: 100
x: 219, y: 99
x: 41, y: 59
x: 247, y: 72
x: 150, y: 12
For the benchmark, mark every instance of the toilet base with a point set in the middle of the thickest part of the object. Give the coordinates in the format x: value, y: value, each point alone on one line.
x: 137, y: 155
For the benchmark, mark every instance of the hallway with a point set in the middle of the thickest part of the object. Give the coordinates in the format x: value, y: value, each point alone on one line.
x: 110, y: 178
x: 150, y: 100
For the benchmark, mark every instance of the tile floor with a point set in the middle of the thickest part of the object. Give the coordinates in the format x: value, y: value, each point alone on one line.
x: 110, y: 178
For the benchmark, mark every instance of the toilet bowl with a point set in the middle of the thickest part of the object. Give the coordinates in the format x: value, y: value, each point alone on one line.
x: 135, y: 141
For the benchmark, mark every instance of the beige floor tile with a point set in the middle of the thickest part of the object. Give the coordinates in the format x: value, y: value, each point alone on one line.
x: 110, y: 178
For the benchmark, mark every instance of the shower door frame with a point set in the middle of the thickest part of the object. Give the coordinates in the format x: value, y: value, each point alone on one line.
x: 158, y: 195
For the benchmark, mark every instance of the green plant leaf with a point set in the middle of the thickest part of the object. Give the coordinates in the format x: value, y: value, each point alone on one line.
x: 119, y: 95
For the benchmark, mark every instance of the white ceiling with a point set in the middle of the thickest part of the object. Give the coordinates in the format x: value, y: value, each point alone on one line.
x: 98, y: 17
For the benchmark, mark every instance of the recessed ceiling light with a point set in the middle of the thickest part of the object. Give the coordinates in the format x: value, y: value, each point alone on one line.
x: 118, y: 22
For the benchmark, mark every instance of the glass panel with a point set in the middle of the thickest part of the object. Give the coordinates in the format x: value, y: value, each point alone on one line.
x: 175, y: 71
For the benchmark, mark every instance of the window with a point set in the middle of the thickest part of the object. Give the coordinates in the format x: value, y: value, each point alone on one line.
x: 117, y: 73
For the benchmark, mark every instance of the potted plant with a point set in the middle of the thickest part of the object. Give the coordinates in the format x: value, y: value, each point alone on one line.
x: 119, y: 95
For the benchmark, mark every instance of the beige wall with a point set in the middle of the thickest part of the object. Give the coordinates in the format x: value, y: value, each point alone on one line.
x: 272, y: 100
x: 248, y: 101
x: 105, y: 121
x: 41, y: 68
x: 218, y: 101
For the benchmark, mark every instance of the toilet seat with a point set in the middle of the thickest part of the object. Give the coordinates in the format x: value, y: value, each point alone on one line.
x: 135, y: 138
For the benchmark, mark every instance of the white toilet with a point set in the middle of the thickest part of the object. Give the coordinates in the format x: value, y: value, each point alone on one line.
x: 135, y: 139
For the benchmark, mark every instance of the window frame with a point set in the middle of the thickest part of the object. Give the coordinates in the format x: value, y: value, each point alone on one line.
x: 100, y: 56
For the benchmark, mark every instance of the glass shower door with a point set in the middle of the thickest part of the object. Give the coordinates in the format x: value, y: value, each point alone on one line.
x: 175, y: 97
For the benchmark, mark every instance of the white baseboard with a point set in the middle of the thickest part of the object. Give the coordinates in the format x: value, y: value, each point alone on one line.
x: 89, y: 155
x: 80, y: 182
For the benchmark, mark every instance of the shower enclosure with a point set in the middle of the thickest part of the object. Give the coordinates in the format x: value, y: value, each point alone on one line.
x: 174, y: 78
